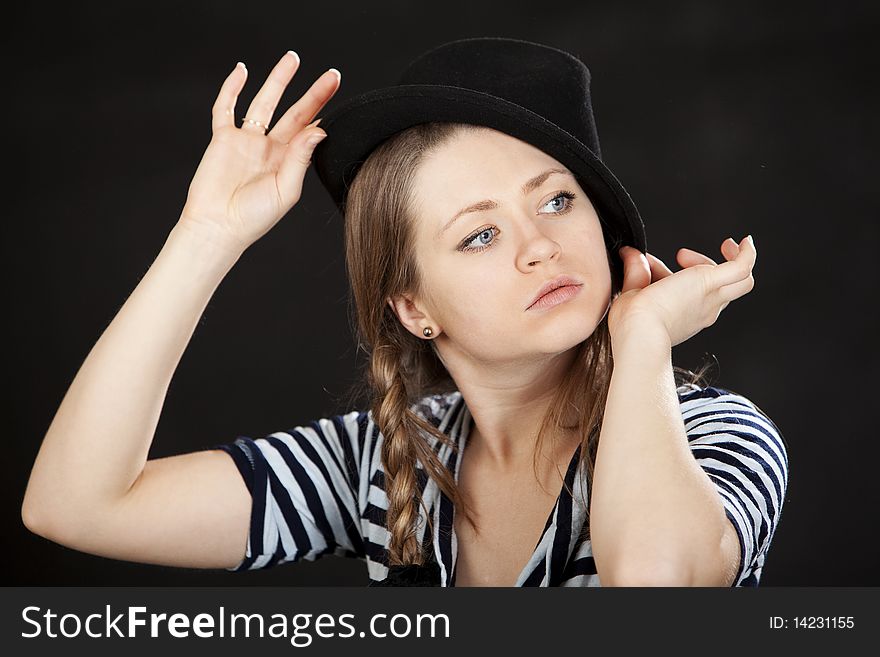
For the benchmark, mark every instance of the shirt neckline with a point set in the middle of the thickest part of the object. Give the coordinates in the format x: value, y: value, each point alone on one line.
x: 447, y: 547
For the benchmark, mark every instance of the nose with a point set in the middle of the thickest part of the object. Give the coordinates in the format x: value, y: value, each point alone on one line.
x: 537, y: 247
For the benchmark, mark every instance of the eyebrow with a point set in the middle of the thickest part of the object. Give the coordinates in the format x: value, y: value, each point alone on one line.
x: 480, y: 206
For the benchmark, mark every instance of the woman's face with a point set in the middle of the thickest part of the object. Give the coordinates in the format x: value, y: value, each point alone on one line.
x: 482, y: 269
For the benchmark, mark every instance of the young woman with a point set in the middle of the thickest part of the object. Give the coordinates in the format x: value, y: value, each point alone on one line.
x: 526, y: 425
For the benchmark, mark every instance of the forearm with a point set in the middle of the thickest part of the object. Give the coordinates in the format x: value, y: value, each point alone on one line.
x: 97, y: 443
x: 655, y: 515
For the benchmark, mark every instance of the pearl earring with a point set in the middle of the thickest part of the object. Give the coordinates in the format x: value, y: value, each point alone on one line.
x: 428, y: 332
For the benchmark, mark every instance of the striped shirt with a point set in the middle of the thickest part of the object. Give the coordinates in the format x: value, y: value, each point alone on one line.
x: 318, y: 489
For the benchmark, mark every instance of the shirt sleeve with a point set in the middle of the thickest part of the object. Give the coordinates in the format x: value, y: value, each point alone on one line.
x: 745, y: 455
x: 304, y: 485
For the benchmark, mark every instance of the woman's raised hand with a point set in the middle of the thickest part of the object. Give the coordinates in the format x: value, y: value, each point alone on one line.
x: 685, y: 302
x: 248, y: 179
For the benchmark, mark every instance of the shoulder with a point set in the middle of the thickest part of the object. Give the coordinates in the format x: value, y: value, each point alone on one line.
x: 360, y: 426
x: 726, y: 429
x: 722, y: 404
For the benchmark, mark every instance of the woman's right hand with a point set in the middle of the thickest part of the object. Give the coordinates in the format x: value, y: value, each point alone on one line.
x: 247, y: 180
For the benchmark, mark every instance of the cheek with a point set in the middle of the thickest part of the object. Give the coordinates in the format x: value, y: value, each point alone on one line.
x: 595, y: 255
x: 591, y: 258
x: 475, y: 307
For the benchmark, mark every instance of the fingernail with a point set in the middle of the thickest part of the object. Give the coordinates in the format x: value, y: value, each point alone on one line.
x: 295, y: 56
x: 242, y: 65
x: 336, y: 73
x: 751, y: 241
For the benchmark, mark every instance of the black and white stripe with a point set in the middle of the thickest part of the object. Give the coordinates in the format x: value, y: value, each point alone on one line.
x: 320, y: 489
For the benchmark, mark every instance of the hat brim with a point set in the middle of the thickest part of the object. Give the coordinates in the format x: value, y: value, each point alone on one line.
x: 357, y: 126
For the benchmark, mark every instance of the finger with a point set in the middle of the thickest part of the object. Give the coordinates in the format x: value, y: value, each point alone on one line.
x: 729, y: 248
x: 735, y: 290
x: 297, y: 158
x: 304, y: 110
x: 223, y: 110
x: 658, y: 269
x: 737, y: 269
x: 689, y: 258
x: 263, y: 105
x: 752, y: 255
x: 636, y: 270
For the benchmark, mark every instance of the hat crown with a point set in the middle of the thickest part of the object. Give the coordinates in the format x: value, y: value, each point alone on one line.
x: 533, y: 92
x: 551, y: 83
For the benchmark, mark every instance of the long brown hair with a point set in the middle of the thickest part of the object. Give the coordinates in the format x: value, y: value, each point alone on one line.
x: 402, y: 368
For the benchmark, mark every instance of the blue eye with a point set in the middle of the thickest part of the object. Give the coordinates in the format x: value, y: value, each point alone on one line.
x: 466, y: 247
x: 567, y: 196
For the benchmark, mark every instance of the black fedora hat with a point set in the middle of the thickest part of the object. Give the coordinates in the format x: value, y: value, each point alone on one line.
x: 536, y: 93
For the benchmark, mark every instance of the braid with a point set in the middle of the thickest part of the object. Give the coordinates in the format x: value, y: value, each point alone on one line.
x: 403, y: 447
x: 399, y: 454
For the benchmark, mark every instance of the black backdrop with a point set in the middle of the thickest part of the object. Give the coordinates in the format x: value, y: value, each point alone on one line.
x: 720, y: 118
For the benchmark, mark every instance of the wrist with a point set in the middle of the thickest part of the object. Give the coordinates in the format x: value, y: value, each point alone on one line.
x: 642, y: 331
x: 205, y: 242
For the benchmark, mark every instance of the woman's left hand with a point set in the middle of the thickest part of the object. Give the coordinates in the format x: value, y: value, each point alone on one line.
x: 687, y: 301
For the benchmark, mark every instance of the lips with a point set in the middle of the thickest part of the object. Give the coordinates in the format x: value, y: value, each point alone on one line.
x: 560, y: 281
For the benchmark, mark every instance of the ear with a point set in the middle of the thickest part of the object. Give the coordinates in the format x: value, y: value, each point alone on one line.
x: 413, y: 318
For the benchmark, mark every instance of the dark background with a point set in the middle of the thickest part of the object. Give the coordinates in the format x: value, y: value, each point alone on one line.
x: 720, y: 119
